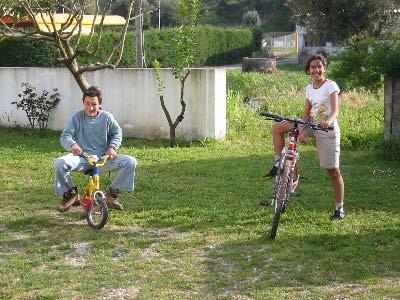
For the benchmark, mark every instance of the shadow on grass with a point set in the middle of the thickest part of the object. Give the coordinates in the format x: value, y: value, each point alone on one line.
x: 309, y: 260
x: 213, y: 193
x: 216, y: 197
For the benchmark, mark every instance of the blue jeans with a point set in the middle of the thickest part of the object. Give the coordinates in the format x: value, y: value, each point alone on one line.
x: 66, y: 164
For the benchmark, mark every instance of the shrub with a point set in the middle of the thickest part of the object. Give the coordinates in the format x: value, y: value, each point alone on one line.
x: 366, y: 61
x: 37, y: 108
x: 251, y: 18
x: 26, y: 52
x: 214, y: 46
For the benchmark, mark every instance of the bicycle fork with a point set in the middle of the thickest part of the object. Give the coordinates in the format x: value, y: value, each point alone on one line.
x: 292, y: 157
x: 92, y: 191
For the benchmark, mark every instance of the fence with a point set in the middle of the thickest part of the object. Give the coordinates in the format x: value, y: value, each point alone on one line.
x: 131, y: 95
x: 280, y: 43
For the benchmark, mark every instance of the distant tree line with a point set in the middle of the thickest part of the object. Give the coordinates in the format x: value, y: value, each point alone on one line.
x: 274, y: 15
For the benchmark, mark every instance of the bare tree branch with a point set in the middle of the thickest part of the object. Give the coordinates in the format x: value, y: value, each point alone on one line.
x: 66, y: 32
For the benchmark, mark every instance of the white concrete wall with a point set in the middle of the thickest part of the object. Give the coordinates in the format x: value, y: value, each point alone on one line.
x: 131, y: 95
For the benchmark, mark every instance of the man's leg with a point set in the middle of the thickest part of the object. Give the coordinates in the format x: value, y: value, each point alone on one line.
x: 63, y: 180
x: 126, y: 165
x: 125, y: 179
x: 64, y: 165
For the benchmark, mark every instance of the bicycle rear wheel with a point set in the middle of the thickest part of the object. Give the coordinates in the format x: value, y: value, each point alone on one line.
x: 281, y: 196
x: 97, y: 213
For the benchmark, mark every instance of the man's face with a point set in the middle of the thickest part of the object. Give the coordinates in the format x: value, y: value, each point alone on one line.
x: 91, y: 106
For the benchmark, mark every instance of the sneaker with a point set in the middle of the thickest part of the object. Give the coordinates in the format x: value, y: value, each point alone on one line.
x: 337, y: 215
x: 112, y: 199
x: 70, y: 197
x: 272, y: 173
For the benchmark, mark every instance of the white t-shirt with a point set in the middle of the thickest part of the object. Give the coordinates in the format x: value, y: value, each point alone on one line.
x: 319, y: 100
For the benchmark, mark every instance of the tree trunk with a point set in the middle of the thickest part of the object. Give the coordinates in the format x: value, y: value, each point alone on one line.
x: 81, y: 80
x: 139, y: 33
x: 172, y: 137
x: 392, y: 110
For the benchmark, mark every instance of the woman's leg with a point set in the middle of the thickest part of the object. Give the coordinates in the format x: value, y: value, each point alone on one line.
x: 338, y: 184
x: 278, y: 136
x: 338, y: 189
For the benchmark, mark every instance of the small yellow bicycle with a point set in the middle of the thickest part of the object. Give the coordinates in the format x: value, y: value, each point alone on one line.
x: 94, y: 200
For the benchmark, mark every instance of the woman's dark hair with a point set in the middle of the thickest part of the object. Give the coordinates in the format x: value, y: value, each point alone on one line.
x: 314, y: 57
x: 92, y: 91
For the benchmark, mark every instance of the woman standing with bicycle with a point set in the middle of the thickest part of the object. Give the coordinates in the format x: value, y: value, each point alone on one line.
x: 322, y: 106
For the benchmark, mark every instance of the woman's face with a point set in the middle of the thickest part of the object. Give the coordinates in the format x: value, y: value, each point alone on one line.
x: 317, y: 70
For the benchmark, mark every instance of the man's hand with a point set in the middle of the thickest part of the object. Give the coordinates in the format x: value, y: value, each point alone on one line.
x: 76, y: 150
x: 111, y: 153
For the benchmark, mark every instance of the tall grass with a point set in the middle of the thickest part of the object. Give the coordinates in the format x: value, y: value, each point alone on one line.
x: 361, y: 113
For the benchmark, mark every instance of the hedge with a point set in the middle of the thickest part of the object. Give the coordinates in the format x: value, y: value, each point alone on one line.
x: 26, y: 52
x: 214, y: 46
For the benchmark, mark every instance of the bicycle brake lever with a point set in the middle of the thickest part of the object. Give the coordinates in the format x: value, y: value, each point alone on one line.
x: 84, y: 155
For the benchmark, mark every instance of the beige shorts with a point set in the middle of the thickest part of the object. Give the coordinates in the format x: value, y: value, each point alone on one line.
x: 328, y: 146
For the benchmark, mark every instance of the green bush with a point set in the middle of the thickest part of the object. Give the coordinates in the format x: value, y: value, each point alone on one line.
x: 26, y: 52
x: 109, y: 41
x: 214, y: 46
x: 366, y: 61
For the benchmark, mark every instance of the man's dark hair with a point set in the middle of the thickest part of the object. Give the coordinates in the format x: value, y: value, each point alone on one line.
x: 92, y: 91
x: 314, y: 57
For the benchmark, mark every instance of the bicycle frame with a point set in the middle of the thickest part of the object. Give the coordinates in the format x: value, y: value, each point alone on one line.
x: 289, y: 160
x: 287, y: 178
x: 92, y: 189
x: 94, y: 202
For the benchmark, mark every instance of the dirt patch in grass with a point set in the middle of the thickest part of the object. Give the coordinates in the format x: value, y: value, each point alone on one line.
x: 120, y: 294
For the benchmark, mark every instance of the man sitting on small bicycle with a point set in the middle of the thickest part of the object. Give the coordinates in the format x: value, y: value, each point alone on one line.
x: 95, y: 132
x: 321, y: 106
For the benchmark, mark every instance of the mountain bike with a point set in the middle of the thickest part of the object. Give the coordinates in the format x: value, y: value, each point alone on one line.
x: 288, y: 176
x: 94, y: 200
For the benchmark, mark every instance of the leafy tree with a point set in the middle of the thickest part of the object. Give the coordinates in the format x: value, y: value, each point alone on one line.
x: 367, y: 61
x: 184, y: 51
x: 337, y: 20
x: 120, y: 8
x: 67, y: 36
x: 275, y: 15
x: 251, y: 18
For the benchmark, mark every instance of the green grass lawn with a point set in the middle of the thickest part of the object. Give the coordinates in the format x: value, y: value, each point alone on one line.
x: 193, y: 228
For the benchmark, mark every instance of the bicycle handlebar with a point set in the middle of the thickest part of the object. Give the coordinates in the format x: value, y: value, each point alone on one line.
x: 278, y: 118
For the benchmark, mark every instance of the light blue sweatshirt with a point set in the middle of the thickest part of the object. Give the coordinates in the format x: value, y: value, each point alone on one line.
x: 93, y: 134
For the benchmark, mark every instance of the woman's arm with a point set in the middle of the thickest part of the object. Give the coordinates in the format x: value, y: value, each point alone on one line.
x: 334, y: 100
x: 306, y: 118
x: 307, y: 111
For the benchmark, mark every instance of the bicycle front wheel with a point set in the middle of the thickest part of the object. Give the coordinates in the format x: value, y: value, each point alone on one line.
x: 281, y: 196
x: 97, y: 213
